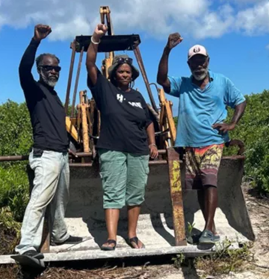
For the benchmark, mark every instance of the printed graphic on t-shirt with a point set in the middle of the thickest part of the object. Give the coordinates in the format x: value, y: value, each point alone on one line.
x: 120, y: 97
x: 133, y: 104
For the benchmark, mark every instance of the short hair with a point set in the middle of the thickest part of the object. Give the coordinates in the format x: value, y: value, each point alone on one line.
x: 41, y: 56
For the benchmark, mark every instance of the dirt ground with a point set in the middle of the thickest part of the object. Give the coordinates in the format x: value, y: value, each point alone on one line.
x: 257, y: 268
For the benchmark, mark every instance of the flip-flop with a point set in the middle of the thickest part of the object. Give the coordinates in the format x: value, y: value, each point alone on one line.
x: 109, y: 248
x: 136, y: 241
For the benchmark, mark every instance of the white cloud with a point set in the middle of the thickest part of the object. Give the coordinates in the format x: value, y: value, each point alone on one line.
x: 254, y: 20
x: 198, y: 19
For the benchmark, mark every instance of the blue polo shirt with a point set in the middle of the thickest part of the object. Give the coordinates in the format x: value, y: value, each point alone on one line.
x: 199, y: 109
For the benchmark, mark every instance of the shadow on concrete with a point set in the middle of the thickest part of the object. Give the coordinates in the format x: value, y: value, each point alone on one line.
x: 156, y: 212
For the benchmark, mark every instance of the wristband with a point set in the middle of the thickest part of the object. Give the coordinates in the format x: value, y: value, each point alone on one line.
x: 95, y: 43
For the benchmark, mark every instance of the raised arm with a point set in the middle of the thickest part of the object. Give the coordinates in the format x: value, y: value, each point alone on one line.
x: 41, y: 32
x: 99, y: 32
x: 162, y: 76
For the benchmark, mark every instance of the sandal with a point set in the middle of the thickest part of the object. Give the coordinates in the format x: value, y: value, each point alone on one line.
x: 109, y: 248
x: 136, y: 241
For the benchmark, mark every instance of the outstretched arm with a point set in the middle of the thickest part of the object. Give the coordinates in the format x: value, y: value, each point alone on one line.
x: 162, y: 76
x: 99, y: 32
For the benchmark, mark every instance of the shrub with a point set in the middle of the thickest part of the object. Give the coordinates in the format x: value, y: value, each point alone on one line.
x: 14, y: 190
x: 15, y: 139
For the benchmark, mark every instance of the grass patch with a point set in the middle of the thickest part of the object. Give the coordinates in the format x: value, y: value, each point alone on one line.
x: 223, y: 261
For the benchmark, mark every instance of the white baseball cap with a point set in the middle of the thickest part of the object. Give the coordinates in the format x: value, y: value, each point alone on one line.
x: 197, y: 49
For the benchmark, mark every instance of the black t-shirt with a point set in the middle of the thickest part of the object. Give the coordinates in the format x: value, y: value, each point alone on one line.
x: 124, y: 118
x: 46, y: 110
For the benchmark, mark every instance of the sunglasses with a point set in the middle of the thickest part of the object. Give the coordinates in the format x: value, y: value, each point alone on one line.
x: 125, y: 60
x: 49, y: 68
x: 195, y: 61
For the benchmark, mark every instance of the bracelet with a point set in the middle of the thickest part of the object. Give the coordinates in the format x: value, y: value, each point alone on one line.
x: 95, y: 43
x: 152, y: 144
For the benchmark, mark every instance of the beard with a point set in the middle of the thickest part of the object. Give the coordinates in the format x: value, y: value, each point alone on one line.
x: 200, y: 74
x: 50, y: 80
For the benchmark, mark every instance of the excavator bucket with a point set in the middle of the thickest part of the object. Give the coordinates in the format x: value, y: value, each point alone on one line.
x: 85, y: 216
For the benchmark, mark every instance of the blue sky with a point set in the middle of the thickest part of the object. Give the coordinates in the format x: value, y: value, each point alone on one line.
x: 235, y: 34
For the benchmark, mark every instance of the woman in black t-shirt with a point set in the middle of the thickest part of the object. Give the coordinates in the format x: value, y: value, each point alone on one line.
x: 126, y: 140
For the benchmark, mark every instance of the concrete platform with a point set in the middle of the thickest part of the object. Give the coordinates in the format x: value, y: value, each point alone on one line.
x: 85, y: 216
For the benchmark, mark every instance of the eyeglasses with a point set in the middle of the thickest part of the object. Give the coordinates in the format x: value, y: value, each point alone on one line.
x: 49, y: 68
x: 125, y: 60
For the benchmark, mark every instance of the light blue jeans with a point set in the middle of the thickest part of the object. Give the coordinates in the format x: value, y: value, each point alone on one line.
x: 50, y: 191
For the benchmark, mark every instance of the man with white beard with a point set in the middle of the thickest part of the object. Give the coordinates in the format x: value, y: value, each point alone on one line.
x: 49, y: 156
x: 203, y: 98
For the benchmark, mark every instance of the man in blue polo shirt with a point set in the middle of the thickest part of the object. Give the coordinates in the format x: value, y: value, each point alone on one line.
x: 203, y: 98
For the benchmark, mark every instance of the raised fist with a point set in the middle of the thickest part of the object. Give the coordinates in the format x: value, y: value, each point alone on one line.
x: 173, y: 40
x: 99, y: 32
x: 41, y: 32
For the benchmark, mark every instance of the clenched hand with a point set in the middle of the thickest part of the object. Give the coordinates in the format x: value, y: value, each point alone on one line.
x: 41, y: 32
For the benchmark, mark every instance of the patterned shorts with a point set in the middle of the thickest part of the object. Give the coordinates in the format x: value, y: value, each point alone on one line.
x: 202, y: 165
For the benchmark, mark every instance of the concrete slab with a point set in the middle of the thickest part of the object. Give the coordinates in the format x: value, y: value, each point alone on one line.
x: 94, y: 254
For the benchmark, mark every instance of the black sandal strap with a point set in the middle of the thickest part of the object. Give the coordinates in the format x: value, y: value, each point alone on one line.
x: 111, y: 241
x: 134, y: 239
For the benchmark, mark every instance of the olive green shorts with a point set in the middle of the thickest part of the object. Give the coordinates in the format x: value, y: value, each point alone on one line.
x: 124, y: 178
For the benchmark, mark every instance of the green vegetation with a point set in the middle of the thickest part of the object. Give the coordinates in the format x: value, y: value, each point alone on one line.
x: 253, y: 131
x: 14, y: 190
x: 15, y: 129
x: 15, y: 139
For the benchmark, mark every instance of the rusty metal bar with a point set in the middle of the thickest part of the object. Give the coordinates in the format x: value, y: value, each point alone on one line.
x: 235, y: 157
x: 83, y: 154
x: 144, y: 75
x: 14, y: 158
x: 105, y: 11
x: 105, y: 19
x: 78, y: 154
x: 158, y: 162
x: 171, y: 122
x: 102, y: 15
x: 176, y: 197
x: 45, y: 243
x: 76, y: 82
x: 162, y: 151
x: 70, y: 76
x: 80, y: 164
